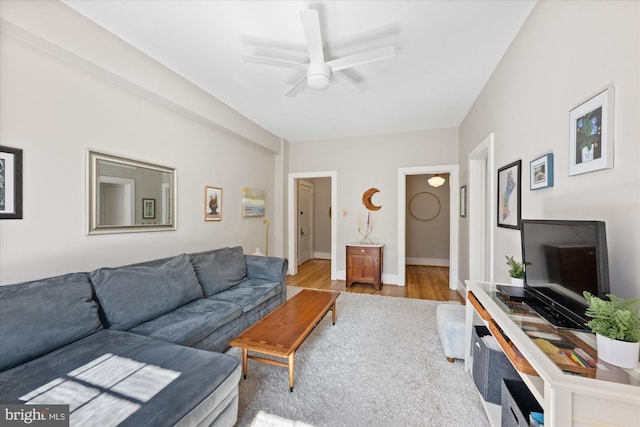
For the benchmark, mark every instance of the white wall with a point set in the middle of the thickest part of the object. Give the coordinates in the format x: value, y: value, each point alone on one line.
x: 67, y: 86
x: 372, y: 161
x: 566, y: 52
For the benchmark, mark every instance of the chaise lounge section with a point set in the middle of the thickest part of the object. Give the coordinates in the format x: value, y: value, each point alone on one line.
x: 139, y: 344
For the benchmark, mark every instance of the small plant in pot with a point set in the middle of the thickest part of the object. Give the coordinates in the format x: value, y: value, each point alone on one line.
x: 616, y: 324
x: 516, y: 271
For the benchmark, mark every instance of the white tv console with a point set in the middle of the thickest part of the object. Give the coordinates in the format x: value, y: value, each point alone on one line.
x: 609, y: 397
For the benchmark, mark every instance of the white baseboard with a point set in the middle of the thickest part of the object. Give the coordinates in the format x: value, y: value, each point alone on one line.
x: 428, y: 261
x: 322, y: 255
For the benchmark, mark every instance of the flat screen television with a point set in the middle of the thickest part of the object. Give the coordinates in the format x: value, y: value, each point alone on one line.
x: 562, y: 260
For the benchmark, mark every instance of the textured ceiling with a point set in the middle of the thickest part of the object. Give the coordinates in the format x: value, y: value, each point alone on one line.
x: 445, y: 53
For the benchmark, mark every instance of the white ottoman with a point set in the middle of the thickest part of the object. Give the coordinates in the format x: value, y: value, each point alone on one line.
x: 450, y: 319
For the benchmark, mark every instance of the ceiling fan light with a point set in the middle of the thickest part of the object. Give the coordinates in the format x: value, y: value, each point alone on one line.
x: 318, y: 81
x: 436, y: 181
x: 318, y: 75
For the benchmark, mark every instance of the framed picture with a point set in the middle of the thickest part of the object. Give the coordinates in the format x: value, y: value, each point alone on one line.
x: 10, y: 183
x: 463, y: 201
x: 591, y: 134
x: 509, y: 195
x: 253, y: 202
x: 212, y: 204
x: 148, y: 208
x: 541, y: 172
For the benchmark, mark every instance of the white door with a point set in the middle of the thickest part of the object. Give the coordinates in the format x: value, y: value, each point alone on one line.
x: 305, y: 221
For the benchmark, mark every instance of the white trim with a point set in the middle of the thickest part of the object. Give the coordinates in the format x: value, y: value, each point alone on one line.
x: 434, y: 262
x: 291, y: 215
x: 322, y: 255
x: 482, y: 209
x: 454, y: 202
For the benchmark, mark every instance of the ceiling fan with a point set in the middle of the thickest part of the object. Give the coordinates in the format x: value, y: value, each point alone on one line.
x: 319, y: 73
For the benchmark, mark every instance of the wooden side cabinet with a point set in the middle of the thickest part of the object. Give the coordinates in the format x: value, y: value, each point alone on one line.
x: 364, y: 264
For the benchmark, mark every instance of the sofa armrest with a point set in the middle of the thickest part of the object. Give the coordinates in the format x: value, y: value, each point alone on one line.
x: 269, y: 268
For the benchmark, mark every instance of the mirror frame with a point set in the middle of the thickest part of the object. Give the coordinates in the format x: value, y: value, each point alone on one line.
x: 92, y: 226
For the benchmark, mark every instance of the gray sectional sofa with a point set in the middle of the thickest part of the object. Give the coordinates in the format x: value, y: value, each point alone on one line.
x: 138, y: 345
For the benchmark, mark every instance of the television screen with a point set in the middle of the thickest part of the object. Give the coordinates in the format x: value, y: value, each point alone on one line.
x: 563, y: 259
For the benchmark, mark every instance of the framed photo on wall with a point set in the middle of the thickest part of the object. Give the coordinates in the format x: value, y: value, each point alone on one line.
x: 10, y: 183
x: 148, y: 208
x: 509, y: 195
x: 212, y: 204
x: 591, y: 134
x: 253, y: 202
x: 541, y: 172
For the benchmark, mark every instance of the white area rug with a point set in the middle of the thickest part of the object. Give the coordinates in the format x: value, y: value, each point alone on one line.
x: 380, y: 365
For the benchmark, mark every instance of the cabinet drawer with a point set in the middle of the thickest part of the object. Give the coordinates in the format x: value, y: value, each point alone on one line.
x: 360, y: 250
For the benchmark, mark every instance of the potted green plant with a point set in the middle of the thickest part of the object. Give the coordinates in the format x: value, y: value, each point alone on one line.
x: 516, y: 271
x: 616, y: 324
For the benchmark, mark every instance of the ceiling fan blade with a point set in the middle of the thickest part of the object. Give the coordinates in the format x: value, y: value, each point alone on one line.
x: 311, y: 27
x: 297, y: 88
x: 273, y: 61
x: 362, y: 58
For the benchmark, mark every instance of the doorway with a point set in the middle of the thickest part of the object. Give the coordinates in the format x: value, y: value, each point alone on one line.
x: 482, y: 204
x: 452, y: 170
x: 116, y: 203
x: 292, y: 217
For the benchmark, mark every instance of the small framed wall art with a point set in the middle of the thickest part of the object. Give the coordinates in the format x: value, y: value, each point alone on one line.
x: 509, y: 195
x: 10, y: 183
x: 148, y: 208
x: 253, y: 202
x: 212, y: 203
x: 541, y: 172
x: 591, y: 134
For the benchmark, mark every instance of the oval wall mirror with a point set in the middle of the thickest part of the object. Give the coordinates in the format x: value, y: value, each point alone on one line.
x: 126, y: 195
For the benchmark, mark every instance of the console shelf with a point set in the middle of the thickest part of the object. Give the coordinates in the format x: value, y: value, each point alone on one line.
x: 602, y: 395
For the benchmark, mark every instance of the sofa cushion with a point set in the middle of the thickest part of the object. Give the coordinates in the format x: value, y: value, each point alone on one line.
x: 219, y: 269
x: 191, y: 322
x: 131, y: 295
x: 249, y: 293
x: 39, y: 316
x: 135, y: 380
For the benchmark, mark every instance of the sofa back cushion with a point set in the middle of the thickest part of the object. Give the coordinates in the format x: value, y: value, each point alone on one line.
x: 131, y: 295
x: 219, y: 269
x: 40, y: 316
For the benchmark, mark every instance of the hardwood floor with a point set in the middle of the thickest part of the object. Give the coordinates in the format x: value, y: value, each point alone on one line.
x: 423, y: 282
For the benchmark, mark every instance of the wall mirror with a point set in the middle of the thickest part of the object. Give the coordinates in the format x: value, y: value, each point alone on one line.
x: 125, y: 195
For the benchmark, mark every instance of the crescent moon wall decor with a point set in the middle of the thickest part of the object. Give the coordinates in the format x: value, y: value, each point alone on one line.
x: 366, y: 199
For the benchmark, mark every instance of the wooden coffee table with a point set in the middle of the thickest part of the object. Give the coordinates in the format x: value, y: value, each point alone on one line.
x: 281, y: 332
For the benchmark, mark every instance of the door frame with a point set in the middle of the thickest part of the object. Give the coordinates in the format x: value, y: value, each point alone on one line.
x: 292, y: 218
x: 482, y: 209
x: 454, y: 204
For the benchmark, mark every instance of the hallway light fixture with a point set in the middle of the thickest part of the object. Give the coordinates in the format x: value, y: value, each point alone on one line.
x: 436, y: 180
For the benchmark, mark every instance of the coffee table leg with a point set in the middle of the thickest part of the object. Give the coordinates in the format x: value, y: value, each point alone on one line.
x: 291, y: 364
x: 245, y: 353
x: 333, y: 313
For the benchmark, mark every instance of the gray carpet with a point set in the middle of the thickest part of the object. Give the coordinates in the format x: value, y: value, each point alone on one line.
x: 380, y: 365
